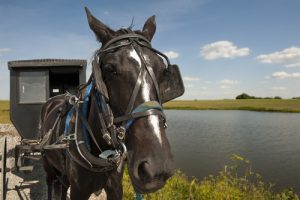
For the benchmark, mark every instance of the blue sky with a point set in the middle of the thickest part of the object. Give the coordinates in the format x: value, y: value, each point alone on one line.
x: 223, y: 48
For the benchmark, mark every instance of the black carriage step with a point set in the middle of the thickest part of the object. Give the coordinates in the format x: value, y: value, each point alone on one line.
x: 26, y: 168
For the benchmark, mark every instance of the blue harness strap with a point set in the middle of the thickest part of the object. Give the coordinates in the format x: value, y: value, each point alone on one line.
x: 85, y: 106
x: 143, y: 107
x: 87, y: 98
x: 100, y: 101
x: 68, y: 120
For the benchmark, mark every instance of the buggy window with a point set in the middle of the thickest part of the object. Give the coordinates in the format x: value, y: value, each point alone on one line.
x: 32, y: 87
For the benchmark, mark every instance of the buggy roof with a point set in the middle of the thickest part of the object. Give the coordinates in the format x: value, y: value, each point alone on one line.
x: 47, y: 63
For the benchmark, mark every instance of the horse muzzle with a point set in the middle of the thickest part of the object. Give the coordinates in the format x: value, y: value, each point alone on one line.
x: 150, y: 177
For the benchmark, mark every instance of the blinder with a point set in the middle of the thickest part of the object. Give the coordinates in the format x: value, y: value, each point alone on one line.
x: 171, y: 85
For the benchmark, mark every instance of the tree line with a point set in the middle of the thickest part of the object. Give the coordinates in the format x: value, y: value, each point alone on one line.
x: 246, y: 96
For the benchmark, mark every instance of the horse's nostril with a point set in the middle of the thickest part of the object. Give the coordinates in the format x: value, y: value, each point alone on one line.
x: 144, y: 171
x: 147, y: 172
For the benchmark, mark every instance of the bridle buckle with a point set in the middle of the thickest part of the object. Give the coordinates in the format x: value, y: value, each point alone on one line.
x: 121, y: 132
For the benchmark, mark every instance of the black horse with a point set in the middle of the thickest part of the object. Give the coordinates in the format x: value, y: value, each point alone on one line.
x: 117, y: 114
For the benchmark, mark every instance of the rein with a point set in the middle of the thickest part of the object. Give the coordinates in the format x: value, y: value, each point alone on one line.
x: 113, y: 129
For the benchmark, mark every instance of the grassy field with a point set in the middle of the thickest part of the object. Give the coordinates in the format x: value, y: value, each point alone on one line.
x: 270, y: 105
x: 4, y: 112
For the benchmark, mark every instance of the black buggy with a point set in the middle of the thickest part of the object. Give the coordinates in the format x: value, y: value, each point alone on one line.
x: 32, y: 83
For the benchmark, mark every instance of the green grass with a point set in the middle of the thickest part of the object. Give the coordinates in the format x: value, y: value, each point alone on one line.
x: 4, y: 112
x: 270, y: 105
x: 235, y: 182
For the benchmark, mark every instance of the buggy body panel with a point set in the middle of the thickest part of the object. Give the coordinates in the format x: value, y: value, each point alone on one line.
x: 33, y: 82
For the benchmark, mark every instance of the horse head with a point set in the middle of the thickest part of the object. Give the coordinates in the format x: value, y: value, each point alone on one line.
x: 131, y: 71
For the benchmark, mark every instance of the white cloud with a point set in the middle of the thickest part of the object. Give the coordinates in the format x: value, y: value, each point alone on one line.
x: 279, y: 88
x: 290, y: 57
x: 224, y: 86
x: 293, y: 65
x: 190, y: 78
x: 171, y: 54
x: 285, y: 75
x: 228, y: 82
x: 4, y: 50
x: 222, y: 49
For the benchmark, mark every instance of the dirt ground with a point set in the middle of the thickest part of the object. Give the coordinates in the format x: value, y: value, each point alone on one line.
x: 20, y: 185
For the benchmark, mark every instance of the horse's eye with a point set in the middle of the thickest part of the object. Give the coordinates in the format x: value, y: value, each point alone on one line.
x: 109, y: 72
x: 110, y: 69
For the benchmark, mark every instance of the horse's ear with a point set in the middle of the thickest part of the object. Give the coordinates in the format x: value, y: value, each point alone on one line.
x: 102, y: 32
x: 149, y: 28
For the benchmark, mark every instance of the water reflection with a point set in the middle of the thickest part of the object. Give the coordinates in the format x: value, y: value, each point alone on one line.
x: 203, y: 142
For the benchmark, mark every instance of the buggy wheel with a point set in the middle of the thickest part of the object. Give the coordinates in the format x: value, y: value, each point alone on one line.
x: 3, y: 170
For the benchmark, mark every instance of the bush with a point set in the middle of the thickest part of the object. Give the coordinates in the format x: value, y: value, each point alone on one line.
x: 244, y: 96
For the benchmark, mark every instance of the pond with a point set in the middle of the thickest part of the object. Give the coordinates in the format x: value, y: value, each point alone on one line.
x: 203, y: 142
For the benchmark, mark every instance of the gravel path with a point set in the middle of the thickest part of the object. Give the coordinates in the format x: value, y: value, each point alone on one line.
x: 25, y: 186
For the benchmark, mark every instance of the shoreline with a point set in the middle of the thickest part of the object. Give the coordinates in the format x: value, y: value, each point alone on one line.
x: 260, y: 105
x: 228, y: 109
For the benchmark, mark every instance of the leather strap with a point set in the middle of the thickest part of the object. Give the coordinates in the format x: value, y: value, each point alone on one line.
x: 128, y: 36
x: 135, y: 91
x: 138, y: 115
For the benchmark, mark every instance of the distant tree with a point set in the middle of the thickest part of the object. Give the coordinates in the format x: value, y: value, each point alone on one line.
x: 244, y: 96
x: 277, y: 97
x: 296, y: 98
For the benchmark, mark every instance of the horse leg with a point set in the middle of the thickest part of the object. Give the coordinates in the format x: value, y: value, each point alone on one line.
x: 77, y: 194
x: 61, y: 186
x: 57, y: 189
x: 50, y: 174
x: 114, y: 187
x: 64, y: 187
x: 49, y: 187
x: 64, y: 193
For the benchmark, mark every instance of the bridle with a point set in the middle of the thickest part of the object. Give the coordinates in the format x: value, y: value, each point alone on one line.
x: 136, y: 41
x: 146, y: 108
x: 114, y: 129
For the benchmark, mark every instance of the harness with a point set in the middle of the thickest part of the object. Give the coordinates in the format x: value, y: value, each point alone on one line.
x: 113, y: 129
